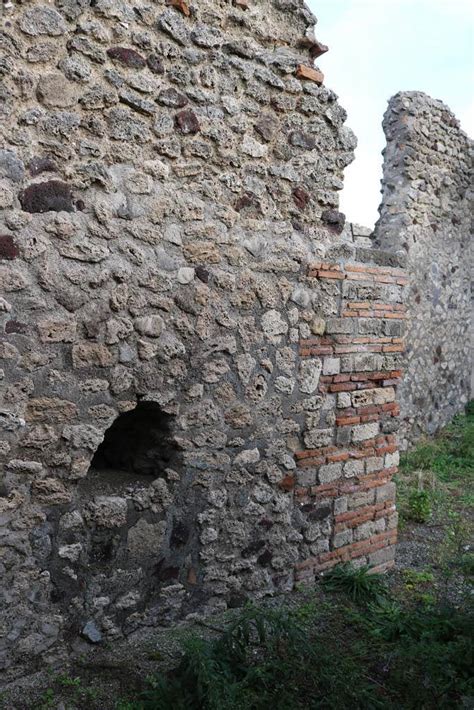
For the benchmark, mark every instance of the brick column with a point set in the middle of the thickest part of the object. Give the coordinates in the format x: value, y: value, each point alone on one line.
x: 353, y: 475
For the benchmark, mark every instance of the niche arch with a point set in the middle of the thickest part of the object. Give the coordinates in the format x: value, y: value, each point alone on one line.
x: 138, y: 442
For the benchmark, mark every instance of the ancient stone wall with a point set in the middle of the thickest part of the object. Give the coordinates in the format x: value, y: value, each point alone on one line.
x: 199, y: 363
x: 426, y: 214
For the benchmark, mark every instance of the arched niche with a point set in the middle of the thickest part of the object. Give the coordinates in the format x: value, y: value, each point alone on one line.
x: 138, y: 442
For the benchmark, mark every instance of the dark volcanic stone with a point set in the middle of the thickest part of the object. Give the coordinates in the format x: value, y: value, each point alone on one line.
x: 14, y: 326
x: 172, y: 98
x: 237, y: 600
x: 136, y: 102
x: 253, y: 548
x: 51, y: 196
x: 187, y: 122
x: 266, y: 128
x: 265, y: 558
x: 11, y: 166
x: 155, y: 65
x: 334, y: 220
x: 8, y: 248
x: 39, y: 165
x: 320, y: 513
x: 248, y: 199
x: 202, y: 274
x: 179, y: 534
x: 317, y: 49
x: 300, y: 197
x: 128, y: 57
x: 164, y: 573
x: 301, y: 140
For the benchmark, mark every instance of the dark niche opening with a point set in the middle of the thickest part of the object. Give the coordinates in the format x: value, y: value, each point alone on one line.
x: 138, y: 442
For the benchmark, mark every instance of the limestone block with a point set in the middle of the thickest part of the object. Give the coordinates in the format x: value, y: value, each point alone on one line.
x: 362, y: 432
x: 57, y: 331
x: 86, y: 354
x: 107, y: 511
x: 54, y: 90
x: 310, y: 371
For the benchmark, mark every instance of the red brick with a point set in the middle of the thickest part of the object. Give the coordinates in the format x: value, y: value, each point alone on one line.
x: 287, y: 483
x: 360, y: 277
x: 334, y: 458
x: 393, y: 348
x: 330, y: 275
x: 371, y: 409
x: 311, y: 462
x: 322, y: 350
x: 345, y: 421
x: 326, y: 266
x: 342, y: 387
x: 358, y: 268
x: 360, y: 304
x: 183, y: 6
x: 369, y: 418
x: 304, y: 72
x: 341, y: 378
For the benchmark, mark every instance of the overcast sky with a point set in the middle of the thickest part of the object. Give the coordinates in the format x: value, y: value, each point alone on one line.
x: 380, y: 47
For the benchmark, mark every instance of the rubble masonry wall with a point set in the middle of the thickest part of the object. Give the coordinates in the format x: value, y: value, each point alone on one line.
x: 426, y: 215
x: 176, y: 283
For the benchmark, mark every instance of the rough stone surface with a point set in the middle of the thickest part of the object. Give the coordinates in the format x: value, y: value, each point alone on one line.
x: 180, y: 319
x: 426, y: 214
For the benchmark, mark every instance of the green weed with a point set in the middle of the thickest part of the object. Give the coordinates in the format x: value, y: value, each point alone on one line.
x: 47, y: 699
x: 466, y: 564
x: 450, y: 455
x: 419, y: 506
x: 414, y: 579
x: 264, y: 658
x: 358, y: 583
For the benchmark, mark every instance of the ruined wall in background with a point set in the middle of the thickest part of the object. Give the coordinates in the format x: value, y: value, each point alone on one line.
x: 199, y: 366
x: 426, y: 214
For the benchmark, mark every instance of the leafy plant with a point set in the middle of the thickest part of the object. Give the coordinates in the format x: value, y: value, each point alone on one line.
x: 450, y: 455
x: 360, y: 584
x: 47, y: 699
x: 264, y: 658
x: 419, y: 506
x: 414, y: 579
x: 466, y: 564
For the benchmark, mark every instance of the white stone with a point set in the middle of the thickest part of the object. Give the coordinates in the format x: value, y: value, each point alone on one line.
x: 284, y: 384
x: 392, y: 459
x: 362, y: 432
x: 185, y: 275
x: 149, y: 325
x: 330, y: 472
x: 310, y: 371
x: 273, y: 324
x: 343, y: 400
x: 247, y: 457
x: 353, y: 468
x: 331, y: 366
x: 70, y: 552
x: 252, y: 147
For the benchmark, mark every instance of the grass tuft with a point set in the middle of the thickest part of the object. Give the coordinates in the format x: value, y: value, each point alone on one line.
x: 359, y: 584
